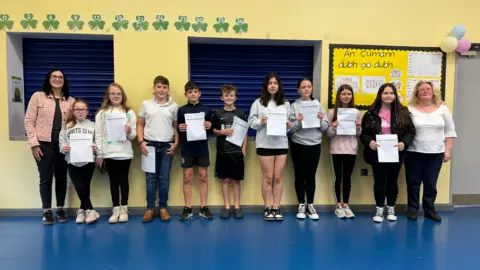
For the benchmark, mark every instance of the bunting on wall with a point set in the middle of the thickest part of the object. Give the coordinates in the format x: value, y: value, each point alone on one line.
x: 119, y: 23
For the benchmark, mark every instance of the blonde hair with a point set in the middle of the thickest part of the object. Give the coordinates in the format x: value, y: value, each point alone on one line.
x: 436, y: 98
x: 106, y: 99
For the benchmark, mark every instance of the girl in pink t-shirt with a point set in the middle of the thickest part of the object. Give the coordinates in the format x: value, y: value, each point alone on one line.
x: 343, y: 149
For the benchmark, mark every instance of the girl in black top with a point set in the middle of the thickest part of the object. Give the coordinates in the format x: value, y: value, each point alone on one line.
x: 386, y: 116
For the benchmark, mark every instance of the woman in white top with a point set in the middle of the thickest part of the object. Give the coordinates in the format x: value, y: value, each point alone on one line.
x: 432, y: 145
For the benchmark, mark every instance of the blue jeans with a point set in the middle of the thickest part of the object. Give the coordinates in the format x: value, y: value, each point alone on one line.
x: 161, y: 177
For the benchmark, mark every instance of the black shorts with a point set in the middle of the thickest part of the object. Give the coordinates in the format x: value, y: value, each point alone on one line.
x: 230, y: 165
x: 271, y: 152
x: 201, y: 161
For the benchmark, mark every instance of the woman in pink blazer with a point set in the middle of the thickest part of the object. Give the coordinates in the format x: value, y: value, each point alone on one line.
x: 47, y: 112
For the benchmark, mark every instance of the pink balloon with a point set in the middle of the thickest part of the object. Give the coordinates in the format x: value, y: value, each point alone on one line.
x: 463, y: 45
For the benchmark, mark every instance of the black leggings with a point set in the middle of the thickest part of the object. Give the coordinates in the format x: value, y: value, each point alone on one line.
x: 305, y: 162
x: 118, y: 173
x: 343, y: 168
x: 385, y: 177
x: 81, y: 178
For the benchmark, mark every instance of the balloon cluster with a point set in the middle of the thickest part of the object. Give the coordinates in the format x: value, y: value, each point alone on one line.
x: 456, y: 41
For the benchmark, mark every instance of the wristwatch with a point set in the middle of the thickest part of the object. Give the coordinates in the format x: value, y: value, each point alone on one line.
x: 140, y: 143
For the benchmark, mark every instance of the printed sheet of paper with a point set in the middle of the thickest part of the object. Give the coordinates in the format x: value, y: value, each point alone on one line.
x: 346, y: 121
x: 148, y: 162
x: 352, y: 80
x: 425, y: 64
x: 370, y: 84
x: 412, y: 82
x: 277, y: 122
x: 195, y: 126
x: 310, y: 110
x: 240, y: 129
x: 115, y: 123
x: 388, y: 150
x: 81, y: 148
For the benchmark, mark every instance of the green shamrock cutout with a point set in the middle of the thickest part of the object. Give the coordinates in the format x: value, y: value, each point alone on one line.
x: 221, y: 25
x: 120, y: 24
x: 96, y: 22
x: 29, y: 22
x: 200, y: 25
x: 51, y: 23
x: 160, y: 24
x: 5, y: 22
x: 182, y: 24
x: 75, y: 24
x: 140, y: 25
x: 241, y: 26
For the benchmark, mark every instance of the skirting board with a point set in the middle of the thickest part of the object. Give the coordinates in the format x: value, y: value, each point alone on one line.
x: 466, y: 199
x: 139, y: 211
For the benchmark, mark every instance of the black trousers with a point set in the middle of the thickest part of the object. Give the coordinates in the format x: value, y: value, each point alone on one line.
x: 118, y: 173
x: 385, y: 176
x: 420, y: 167
x: 343, y: 168
x: 305, y: 162
x: 52, y: 163
x: 81, y: 178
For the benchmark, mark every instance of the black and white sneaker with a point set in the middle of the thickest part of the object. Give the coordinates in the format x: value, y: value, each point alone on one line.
x: 186, y: 214
x: 61, y: 215
x: 276, y: 214
x: 205, y: 213
x: 47, y: 217
x: 268, y: 214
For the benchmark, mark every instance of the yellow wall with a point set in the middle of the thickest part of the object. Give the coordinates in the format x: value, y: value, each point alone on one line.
x: 139, y: 57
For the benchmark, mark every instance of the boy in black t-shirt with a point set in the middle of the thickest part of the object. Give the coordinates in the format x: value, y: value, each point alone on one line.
x: 194, y: 153
x: 229, y: 164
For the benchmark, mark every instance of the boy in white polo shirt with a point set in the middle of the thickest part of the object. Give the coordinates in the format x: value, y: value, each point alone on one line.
x: 157, y: 127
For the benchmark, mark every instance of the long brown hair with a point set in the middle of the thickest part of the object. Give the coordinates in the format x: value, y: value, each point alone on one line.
x: 106, y: 99
x: 399, y: 114
x: 71, y: 120
x: 351, y: 104
x: 279, y: 97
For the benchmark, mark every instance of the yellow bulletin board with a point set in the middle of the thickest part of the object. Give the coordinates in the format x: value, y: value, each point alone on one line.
x: 367, y: 67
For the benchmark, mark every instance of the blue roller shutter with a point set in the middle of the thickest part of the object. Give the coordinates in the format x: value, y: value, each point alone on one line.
x: 245, y: 66
x: 88, y: 66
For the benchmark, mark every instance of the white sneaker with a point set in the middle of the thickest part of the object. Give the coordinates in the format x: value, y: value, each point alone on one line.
x: 301, y: 211
x: 391, y: 213
x: 80, y: 216
x: 348, y: 212
x: 340, y: 212
x: 123, y: 214
x: 92, y: 216
x: 311, y: 212
x: 379, y: 215
x: 115, y: 214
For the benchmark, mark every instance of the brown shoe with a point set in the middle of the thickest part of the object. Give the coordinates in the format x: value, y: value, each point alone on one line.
x: 148, y: 215
x: 164, y: 215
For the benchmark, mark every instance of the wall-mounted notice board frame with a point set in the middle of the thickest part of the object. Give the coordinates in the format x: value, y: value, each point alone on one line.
x: 367, y: 67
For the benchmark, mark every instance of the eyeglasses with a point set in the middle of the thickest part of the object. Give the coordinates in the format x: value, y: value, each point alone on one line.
x: 80, y: 110
x: 55, y: 77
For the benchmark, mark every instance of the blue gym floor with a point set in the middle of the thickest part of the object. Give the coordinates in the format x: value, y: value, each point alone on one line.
x: 250, y: 243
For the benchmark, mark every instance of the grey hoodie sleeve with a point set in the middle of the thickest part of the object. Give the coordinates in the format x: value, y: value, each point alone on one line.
x: 62, y: 140
x: 296, y: 125
x: 324, y: 123
x: 254, y: 120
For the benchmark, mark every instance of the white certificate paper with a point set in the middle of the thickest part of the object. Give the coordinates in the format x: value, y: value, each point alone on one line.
x: 310, y: 110
x: 346, y: 121
x: 277, y: 122
x: 115, y: 123
x: 148, y: 162
x: 81, y: 148
x: 240, y: 129
x: 388, y: 149
x: 195, y: 126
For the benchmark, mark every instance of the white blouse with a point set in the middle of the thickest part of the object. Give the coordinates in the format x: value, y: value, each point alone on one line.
x: 431, y: 130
